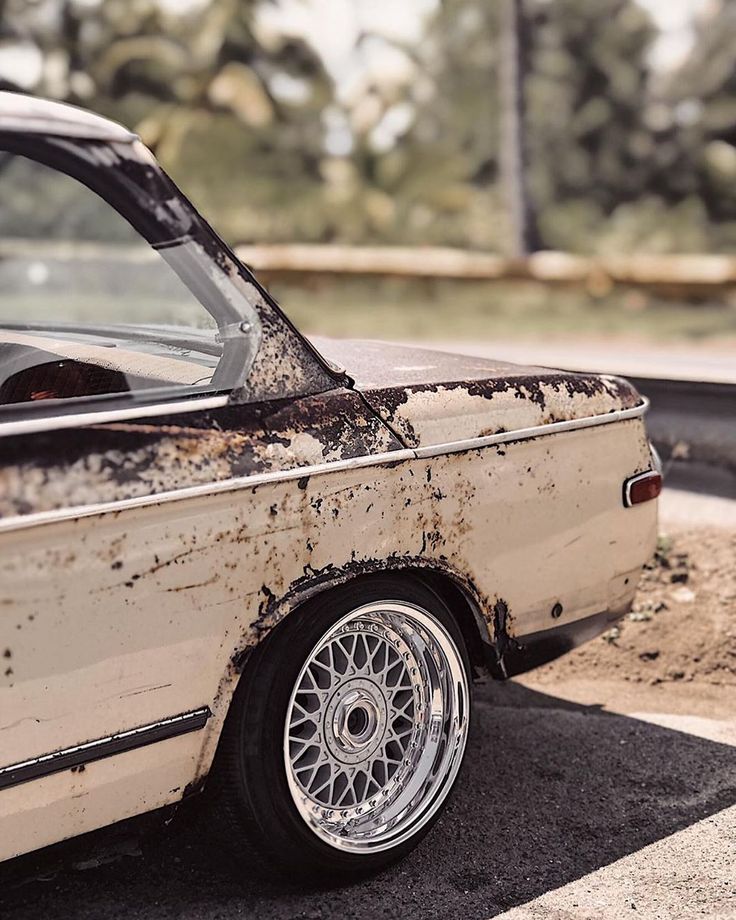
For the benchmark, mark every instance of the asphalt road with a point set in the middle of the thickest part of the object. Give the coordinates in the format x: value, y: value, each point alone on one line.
x: 551, y: 792
x: 703, y: 886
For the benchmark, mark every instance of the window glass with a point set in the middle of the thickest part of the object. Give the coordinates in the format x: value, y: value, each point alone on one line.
x: 87, y: 307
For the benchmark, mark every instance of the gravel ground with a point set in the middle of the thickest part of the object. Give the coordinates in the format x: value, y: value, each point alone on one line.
x: 683, y: 623
x: 554, y: 790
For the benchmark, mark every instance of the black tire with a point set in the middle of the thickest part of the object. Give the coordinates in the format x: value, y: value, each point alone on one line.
x: 250, y: 774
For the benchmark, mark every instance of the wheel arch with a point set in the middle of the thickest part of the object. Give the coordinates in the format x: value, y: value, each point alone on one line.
x: 453, y: 588
x: 465, y: 610
x: 457, y: 591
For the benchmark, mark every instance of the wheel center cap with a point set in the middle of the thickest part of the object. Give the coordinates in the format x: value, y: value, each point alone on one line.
x: 355, y: 720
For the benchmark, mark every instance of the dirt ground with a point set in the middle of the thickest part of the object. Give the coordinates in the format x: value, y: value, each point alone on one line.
x: 682, y: 627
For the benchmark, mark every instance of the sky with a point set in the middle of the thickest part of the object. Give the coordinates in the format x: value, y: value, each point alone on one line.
x: 674, y: 18
x: 333, y: 25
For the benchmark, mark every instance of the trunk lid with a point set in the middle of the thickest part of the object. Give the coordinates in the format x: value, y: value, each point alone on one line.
x: 431, y: 397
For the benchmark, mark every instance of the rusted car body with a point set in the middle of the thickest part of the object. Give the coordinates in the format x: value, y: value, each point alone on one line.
x: 149, y: 545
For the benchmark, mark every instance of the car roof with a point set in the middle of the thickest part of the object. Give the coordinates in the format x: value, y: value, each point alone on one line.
x: 21, y: 114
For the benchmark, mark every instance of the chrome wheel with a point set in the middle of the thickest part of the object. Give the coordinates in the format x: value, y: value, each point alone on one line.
x: 376, y: 727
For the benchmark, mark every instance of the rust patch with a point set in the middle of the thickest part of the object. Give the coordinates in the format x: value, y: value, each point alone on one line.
x: 194, y: 788
x: 118, y: 461
x: 612, y: 394
x: 503, y: 641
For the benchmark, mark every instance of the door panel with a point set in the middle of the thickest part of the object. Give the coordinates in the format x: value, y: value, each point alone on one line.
x: 105, y: 612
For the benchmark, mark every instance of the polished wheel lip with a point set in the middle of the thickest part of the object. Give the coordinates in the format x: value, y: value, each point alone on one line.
x: 398, y: 808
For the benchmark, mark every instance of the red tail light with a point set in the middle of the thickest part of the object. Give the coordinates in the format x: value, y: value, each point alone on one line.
x: 642, y: 488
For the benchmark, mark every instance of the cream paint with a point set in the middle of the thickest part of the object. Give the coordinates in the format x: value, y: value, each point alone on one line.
x: 98, y: 647
x: 450, y: 413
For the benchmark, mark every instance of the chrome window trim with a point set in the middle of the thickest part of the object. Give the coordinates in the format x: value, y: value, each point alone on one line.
x: 102, y: 416
x: 19, y: 522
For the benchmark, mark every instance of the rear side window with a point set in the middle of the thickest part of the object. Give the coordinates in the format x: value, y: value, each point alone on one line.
x: 88, y: 310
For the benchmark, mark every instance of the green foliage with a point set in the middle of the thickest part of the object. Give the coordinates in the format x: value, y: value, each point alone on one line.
x: 587, y: 81
x: 702, y: 98
x: 476, y: 311
x: 621, y: 158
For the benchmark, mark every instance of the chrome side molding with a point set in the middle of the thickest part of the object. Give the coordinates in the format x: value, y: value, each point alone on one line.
x: 18, y: 522
x: 119, y: 743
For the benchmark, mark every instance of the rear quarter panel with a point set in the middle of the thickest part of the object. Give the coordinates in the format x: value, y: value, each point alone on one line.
x: 115, y: 620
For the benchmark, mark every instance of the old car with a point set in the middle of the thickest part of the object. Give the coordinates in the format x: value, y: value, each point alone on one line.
x: 237, y: 560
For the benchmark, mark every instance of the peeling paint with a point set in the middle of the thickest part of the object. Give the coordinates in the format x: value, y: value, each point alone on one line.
x: 437, y: 413
x: 117, y: 461
x: 429, y: 397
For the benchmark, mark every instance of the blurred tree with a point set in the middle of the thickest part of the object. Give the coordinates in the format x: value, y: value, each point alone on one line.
x: 702, y: 98
x: 590, y: 146
x: 587, y: 90
x: 234, y: 116
x: 442, y: 172
x: 247, y: 119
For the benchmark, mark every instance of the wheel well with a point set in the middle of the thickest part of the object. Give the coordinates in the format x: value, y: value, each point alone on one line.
x: 460, y: 604
x: 463, y: 610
